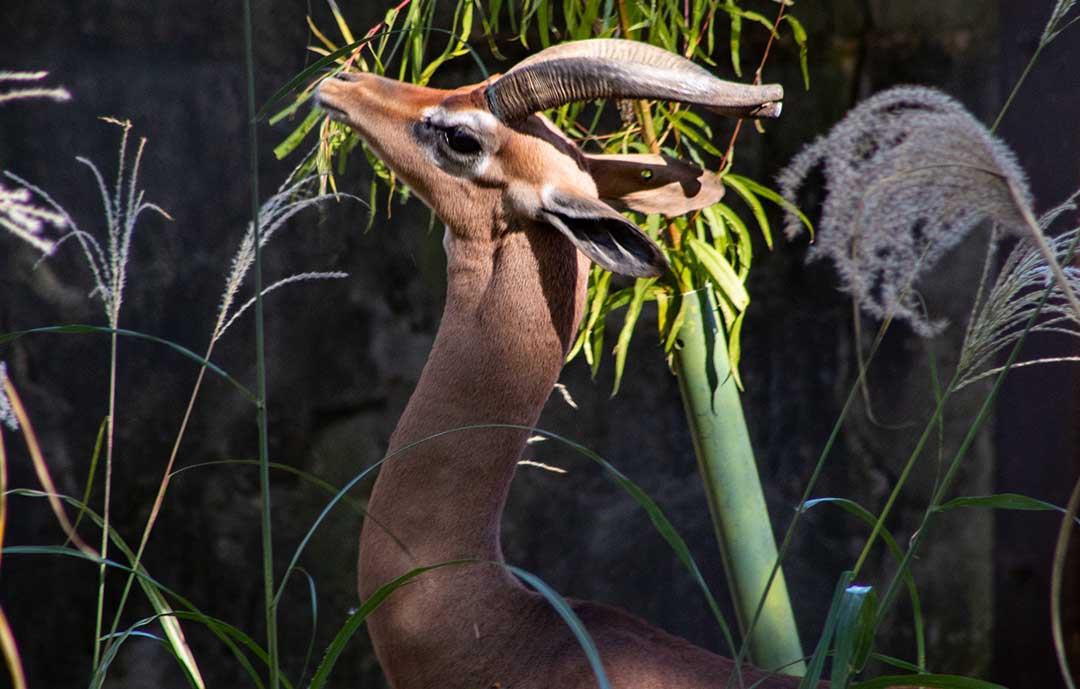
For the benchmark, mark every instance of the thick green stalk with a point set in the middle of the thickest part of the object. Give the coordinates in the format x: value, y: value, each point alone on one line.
x: 733, y: 487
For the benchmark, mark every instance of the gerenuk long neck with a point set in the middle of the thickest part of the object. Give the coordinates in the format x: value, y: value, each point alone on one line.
x: 512, y: 308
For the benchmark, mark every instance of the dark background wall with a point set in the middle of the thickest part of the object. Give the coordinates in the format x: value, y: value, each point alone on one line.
x: 344, y: 355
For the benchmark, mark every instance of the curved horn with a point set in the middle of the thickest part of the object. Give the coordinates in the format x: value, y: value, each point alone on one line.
x: 619, y: 68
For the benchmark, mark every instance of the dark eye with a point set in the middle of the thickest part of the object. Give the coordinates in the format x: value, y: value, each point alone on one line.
x: 461, y: 141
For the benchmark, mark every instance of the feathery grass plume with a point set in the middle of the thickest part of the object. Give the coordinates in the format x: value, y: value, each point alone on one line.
x: 59, y: 94
x: 908, y: 173
x: 27, y: 221
x: 291, y: 198
x: 1054, y: 24
x: 17, y: 214
x: 998, y: 321
x: 7, y: 414
x: 123, y: 205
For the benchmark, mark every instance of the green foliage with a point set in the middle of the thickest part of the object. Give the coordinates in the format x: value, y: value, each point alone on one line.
x: 719, y: 250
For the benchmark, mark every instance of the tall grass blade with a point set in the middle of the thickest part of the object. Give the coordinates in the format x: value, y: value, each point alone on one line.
x: 41, y: 468
x: 8, y: 647
x: 79, y: 329
x: 359, y: 616
x: 926, y: 680
x: 869, y: 519
x: 151, y: 589
x: 816, y: 666
x: 1061, y: 555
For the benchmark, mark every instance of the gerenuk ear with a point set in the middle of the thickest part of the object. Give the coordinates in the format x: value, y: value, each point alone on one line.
x: 599, y: 232
x: 653, y: 183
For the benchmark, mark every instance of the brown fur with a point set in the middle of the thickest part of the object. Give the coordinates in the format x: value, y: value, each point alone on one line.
x: 515, y: 294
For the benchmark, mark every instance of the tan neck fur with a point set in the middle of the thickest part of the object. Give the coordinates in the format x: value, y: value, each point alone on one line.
x: 511, y: 311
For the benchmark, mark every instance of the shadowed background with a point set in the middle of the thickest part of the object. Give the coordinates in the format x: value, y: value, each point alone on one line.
x: 345, y: 355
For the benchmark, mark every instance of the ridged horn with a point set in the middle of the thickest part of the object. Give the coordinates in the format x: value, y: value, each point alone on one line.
x: 617, y: 68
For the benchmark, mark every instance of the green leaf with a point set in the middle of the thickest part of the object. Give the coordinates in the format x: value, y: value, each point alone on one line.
x: 78, y: 329
x: 744, y: 192
x: 357, y: 617
x: 290, y: 109
x: 799, y: 34
x: 343, y: 26
x: 94, y: 457
x: 895, y: 662
x: 854, y: 626
x: 870, y: 520
x: 721, y: 273
x: 816, y: 666
x: 289, y: 144
x: 622, y: 346
x: 572, y: 621
x: 767, y: 193
x: 734, y: 347
x: 595, y: 298
x: 727, y: 216
x: 926, y: 680
x: 736, y: 35
x: 1000, y: 501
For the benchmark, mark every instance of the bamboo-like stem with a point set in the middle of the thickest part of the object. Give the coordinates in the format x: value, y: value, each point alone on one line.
x: 733, y: 487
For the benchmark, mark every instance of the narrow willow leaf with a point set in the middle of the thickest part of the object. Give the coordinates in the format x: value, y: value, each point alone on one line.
x: 744, y: 192
x: 595, y: 297
x: 294, y: 106
x: 734, y: 346
x: 767, y: 193
x: 799, y: 34
x: 622, y: 346
x: 721, y: 272
x: 738, y: 228
x: 736, y: 35
x: 696, y: 137
x: 289, y: 144
x: 343, y: 26
x: 330, y: 46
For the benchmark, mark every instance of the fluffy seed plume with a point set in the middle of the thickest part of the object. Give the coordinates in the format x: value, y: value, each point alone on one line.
x: 27, y: 221
x: 59, y: 94
x: 292, y: 197
x: 999, y: 319
x: 908, y: 173
x: 7, y: 414
x: 123, y: 204
x: 18, y: 214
